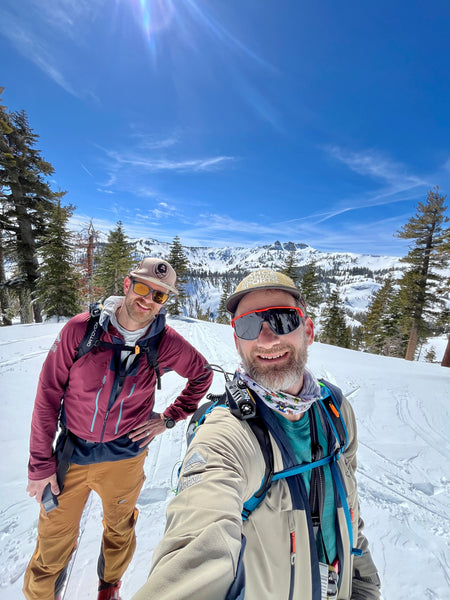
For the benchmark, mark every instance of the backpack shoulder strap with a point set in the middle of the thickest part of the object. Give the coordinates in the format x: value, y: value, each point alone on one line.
x: 258, y: 427
x: 151, y: 349
x: 92, y: 333
x: 331, y: 406
x: 261, y: 432
x: 200, y: 414
x: 91, y: 338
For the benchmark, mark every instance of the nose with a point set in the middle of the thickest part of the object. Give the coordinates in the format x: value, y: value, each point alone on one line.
x: 266, y: 336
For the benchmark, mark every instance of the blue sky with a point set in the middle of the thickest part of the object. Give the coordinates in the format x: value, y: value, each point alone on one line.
x: 237, y: 122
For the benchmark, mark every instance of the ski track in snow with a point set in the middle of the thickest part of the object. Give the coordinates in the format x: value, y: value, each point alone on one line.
x: 403, y: 472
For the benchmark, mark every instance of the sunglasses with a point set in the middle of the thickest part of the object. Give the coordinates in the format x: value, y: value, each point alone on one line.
x: 142, y: 289
x: 281, y: 319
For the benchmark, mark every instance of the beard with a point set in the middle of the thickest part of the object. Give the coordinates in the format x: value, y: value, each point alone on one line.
x: 275, y: 377
x: 135, y: 314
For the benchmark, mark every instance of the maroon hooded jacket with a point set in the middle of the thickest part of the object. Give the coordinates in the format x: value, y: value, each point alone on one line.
x: 93, y: 410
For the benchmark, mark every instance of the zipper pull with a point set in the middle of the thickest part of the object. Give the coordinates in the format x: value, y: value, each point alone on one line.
x: 292, y: 547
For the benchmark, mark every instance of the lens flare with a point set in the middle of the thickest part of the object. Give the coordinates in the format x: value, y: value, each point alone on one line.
x: 154, y: 15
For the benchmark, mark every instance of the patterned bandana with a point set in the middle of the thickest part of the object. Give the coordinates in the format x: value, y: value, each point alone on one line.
x: 285, y: 403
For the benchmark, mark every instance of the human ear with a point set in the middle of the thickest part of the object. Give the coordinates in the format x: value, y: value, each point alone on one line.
x: 309, y: 328
x: 126, y: 285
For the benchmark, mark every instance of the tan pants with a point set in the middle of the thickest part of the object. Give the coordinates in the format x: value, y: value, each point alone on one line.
x: 118, y: 484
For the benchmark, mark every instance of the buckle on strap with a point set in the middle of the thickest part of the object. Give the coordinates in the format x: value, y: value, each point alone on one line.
x: 329, y: 582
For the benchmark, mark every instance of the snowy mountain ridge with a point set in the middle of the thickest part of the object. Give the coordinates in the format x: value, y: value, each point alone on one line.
x: 357, y: 275
x: 225, y: 259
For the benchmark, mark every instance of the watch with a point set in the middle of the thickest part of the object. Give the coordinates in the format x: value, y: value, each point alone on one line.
x: 169, y: 422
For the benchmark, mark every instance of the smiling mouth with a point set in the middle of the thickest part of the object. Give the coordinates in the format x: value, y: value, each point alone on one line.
x: 270, y: 357
x: 142, y: 307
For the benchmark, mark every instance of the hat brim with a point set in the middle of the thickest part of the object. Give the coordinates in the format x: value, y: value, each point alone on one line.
x: 233, y: 301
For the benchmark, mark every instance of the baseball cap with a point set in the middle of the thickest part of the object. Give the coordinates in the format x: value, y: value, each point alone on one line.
x: 262, y: 279
x: 156, y: 270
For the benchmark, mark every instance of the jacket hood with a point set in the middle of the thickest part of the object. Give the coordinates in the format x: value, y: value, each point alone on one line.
x: 112, y: 303
x: 110, y: 306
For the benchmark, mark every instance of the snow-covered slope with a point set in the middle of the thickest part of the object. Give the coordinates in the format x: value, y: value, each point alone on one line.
x: 403, y: 416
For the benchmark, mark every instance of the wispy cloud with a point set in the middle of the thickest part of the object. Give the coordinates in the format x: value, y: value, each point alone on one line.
x: 397, y: 184
x: 35, y: 26
x: 374, y: 165
x: 132, y: 170
x: 225, y: 223
x: 371, y: 237
x: 86, y: 169
x: 150, y: 142
x: 213, y: 229
x: 66, y: 15
x: 366, y: 200
x: 154, y: 165
x: 34, y: 49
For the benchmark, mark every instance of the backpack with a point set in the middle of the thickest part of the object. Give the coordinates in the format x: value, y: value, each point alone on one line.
x: 237, y: 401
x: 91, y: 340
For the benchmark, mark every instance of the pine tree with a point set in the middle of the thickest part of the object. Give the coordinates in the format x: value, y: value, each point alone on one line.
x: 335, y: 330
x: 356, y: 337
x: 429, y: 252
x: 378, y: 315
x: 312, y: 290
x: 222, y: 313
x: 430, y: 355
x: 396, y: 325
x: 115, y: 262
x: 178, y: 260
x: 203, y: 315
x: 57, y: 287
x: 290, y: 266
x: 27, y: 202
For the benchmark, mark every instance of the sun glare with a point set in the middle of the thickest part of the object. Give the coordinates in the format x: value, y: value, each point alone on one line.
x: 154, y: 15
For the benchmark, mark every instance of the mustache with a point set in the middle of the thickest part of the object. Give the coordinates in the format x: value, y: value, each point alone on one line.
x: 282, y: 348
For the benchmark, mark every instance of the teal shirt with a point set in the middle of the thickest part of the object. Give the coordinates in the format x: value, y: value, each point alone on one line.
x: 299, y: 436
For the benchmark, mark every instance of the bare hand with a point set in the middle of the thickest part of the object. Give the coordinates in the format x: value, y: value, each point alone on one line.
x: 148, y: 430
x: 35, y: 488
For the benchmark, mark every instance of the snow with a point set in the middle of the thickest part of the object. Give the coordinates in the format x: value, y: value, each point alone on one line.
x: 402, y: 410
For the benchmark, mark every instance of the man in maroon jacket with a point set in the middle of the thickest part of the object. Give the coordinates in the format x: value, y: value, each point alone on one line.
x: 107, y: 416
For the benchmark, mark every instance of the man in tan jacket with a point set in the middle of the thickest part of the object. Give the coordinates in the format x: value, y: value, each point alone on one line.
x: 304, y: 539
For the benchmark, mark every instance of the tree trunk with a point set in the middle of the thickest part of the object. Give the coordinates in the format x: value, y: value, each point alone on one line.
x: 4, y: 294
x: 412, y: 343
x: 26, y: 255
x: 37, y: 311
x: 26, y: 315
x: 446, y: 360
x: 4, y: 307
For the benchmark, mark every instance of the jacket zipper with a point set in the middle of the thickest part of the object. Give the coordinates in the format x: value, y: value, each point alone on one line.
x: 121, y: 407
x: 119, y: 380
x: 96, y: 403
